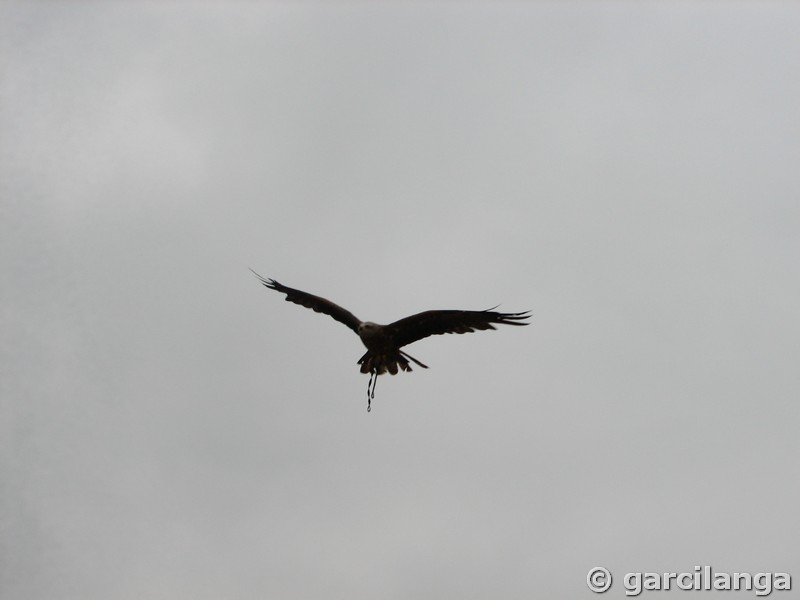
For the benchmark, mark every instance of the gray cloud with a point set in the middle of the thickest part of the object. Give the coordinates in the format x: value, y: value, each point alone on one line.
x: 172, y: 429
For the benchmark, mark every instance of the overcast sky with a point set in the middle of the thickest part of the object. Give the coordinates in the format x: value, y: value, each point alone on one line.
x: 171, y: 429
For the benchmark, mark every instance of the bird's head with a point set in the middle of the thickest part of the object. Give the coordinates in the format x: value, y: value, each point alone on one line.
x: 368, y: 329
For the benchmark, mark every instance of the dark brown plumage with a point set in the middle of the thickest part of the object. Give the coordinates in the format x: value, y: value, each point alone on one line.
x: 383, y: 342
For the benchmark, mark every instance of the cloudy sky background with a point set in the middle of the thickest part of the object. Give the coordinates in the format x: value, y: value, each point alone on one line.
x: 171, y: 429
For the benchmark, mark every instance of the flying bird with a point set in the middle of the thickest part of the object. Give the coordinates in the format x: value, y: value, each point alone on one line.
x: 383, y: 342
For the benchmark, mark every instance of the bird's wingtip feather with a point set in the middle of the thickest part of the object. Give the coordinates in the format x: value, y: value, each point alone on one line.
x: 270, y: 283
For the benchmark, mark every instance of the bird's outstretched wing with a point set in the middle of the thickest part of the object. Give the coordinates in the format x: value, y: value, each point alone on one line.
x: 438, y: 322
x: 315, y: 303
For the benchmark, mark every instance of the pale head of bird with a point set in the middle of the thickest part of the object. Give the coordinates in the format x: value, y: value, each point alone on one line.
x: 368, y: 329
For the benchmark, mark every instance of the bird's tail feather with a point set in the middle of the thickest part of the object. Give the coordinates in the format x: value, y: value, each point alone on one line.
x: 393, y: 362
x: 412, y: 359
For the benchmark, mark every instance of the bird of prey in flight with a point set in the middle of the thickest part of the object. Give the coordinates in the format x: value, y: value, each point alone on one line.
x: 383, y: 342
